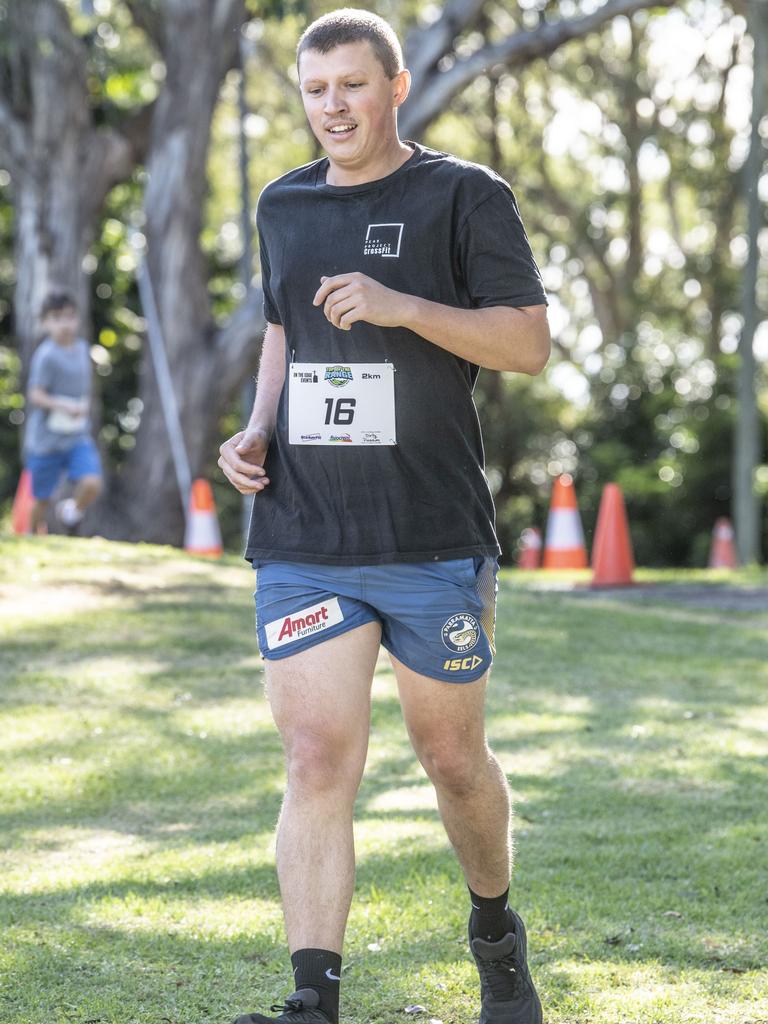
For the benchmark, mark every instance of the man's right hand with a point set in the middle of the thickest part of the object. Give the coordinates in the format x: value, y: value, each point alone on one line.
x: 241, y: 459
x: 74, y: 407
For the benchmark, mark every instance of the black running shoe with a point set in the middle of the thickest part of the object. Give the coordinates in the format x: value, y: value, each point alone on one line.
x: 300, y: 1008
x: 507, y: 992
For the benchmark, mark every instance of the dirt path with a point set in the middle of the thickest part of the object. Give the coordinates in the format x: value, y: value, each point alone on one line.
x: 719, y: 596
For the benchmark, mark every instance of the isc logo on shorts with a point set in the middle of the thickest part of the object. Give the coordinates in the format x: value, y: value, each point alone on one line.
x: 462, y: 664
x: 304, y: 623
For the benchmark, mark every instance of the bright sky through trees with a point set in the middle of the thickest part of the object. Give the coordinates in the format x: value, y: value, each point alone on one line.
x: 676, y: 47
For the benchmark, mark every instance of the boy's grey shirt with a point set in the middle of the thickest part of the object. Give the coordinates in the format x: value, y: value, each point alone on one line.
x: 58, y: 370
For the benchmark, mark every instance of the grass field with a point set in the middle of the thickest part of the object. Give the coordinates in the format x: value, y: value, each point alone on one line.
x: 141, y: 779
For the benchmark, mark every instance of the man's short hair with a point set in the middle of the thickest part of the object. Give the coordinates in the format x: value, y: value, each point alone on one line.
x: 350, y: 25
x: 55, y: 300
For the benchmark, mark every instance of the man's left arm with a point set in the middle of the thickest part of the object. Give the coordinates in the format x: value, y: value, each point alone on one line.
x: 496, y: 337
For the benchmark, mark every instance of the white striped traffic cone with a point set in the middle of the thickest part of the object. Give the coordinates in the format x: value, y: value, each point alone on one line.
x: 202, y: 536
x: 564, y: 547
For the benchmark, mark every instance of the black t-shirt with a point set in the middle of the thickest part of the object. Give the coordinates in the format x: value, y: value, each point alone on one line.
x: 439, y: 228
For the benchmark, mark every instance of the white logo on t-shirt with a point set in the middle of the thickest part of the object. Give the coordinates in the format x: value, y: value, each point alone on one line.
x: 383, y: 240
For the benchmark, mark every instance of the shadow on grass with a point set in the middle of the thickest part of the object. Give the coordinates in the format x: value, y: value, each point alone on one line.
x: 641, y: 832
x: 148, y: 978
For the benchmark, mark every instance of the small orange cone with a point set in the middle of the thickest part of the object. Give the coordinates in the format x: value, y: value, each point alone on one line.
x: 722, y: 554
x: 529, y: 556
x: 21, y: 513
x: 564, y: 548
x: 202, y: 536
x: 612, y: 559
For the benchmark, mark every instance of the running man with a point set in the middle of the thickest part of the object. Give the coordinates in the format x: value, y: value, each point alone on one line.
x: 391, y: 274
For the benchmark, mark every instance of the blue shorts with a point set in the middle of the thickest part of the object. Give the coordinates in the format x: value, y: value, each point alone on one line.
x: 77, y: 462
x: 437, y: 618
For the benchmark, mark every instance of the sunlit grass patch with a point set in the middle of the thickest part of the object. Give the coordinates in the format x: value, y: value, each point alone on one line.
x: 141, y: 780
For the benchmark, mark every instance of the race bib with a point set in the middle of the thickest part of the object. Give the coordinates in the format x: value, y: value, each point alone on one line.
x: 60, y: 422
x: 341, y: 403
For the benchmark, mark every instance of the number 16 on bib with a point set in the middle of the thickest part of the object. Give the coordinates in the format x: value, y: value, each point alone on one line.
x: 341, y: 403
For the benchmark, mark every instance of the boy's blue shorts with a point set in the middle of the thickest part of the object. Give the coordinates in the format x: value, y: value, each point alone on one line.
x: 437, y: 618
x: 77, y: 462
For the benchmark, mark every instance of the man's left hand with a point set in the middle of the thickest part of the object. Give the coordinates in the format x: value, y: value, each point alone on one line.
x: 347, y: 298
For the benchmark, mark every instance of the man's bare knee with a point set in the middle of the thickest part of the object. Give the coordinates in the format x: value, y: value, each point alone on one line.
x: 454, y: 770
x: 89, y: 488
x: 322, y: 763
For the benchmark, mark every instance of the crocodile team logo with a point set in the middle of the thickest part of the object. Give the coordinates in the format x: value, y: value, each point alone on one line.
x: 461, y: 632
x: 338, y: 376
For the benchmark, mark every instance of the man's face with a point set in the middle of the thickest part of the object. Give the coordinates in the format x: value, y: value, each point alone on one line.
x: 62, y: 324
x: 350, y: 103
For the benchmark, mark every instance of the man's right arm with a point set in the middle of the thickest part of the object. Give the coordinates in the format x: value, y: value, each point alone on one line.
x: 241, y: 458
x: 44, y: 400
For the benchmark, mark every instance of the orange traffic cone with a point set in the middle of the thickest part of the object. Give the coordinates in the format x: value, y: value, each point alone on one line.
x: 722, y: 554
x: 202, y: 536
x: 612, y: 559
x: 529, y: 556
x: 564, y: 548
x: 21, y: 512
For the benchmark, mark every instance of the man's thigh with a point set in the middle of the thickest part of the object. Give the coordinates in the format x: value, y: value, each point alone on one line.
x: 83, y: 461
x: 46, y: 471
x: 440, y: 716
x: 321, y: 699
x: 320, y: 642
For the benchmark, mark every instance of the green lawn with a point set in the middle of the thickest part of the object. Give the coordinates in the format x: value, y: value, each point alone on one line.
x: 141, y: 779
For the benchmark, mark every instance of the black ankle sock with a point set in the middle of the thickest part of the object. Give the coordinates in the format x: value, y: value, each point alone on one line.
x: 491, y: 919
x: 319, y: 969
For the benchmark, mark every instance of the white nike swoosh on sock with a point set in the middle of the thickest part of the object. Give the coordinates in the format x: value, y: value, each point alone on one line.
x: 474, y: 905
x: 334, y: 977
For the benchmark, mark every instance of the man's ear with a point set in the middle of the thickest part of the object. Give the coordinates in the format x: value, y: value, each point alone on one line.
x: 401, y: 86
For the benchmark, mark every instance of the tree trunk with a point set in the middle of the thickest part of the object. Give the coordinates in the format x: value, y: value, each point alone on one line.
x: 200, y: 42
x: 746, y: 504
x: 61, y: 165
x: 51, y: 127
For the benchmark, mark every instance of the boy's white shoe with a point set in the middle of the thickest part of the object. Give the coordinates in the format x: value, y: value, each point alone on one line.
x: 68, y: 512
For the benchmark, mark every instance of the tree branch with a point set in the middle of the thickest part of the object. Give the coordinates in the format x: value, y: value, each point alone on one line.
x: 425, y: 46
x: 439, y: 88
x: 226, y: 13
x: 111, y: 157
x: 136, y: 129
x: 228, y: 18
x: 634, y: 137
x: 13, y: 139
x: 148, y: 19
x: 241, y: 333
x: 592, y: 255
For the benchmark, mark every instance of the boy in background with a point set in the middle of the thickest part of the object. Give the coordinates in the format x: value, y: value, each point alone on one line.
x: 58, y: 438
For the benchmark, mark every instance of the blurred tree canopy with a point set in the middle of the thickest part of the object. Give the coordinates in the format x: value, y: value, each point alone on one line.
x: 621, y: 129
